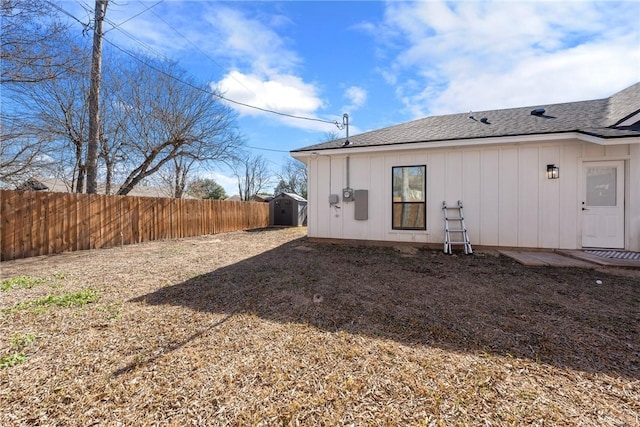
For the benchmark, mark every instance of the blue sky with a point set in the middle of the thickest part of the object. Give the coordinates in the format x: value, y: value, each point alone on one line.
x: 383, y: 63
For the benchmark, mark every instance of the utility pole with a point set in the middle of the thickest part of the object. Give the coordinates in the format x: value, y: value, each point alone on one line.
x: 94, y: 98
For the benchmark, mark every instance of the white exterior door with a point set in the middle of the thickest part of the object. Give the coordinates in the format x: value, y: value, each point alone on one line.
x: 603, y: 205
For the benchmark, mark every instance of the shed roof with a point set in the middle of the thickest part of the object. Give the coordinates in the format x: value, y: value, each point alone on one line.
x: 601, y: 118
x: 293, y: 196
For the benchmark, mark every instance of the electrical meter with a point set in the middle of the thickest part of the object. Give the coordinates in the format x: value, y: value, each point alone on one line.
x: 347, y: 195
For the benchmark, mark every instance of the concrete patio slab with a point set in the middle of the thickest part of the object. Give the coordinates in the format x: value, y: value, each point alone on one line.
x: 569, y: 258
x: 546, y: 259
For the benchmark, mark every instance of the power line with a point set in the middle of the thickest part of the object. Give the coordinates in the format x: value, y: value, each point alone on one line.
x: 135, y: 16
x: 268, y: 149
x: 266, y: 110
x: 128, y: 53
x: 198, y: 49
x: 123, y: 31
x: 132, y: 37
x: 88, y: 26
x: 55, y: 6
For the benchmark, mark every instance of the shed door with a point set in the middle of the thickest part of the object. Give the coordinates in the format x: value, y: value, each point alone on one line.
x: 603, y: 205
x: 283, y: 212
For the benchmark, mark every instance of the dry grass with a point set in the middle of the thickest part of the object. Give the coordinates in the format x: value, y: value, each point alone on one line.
x: 267, y: 328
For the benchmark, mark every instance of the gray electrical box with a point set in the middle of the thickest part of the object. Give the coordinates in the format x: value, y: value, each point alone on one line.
x: 362, y: 205
x: 334, y: 199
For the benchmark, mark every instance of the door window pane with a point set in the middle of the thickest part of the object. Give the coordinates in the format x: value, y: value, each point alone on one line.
x: 601, y: 186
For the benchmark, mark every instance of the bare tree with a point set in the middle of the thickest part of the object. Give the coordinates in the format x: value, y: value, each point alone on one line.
x: 152, y: 118
x: 174, y: 177
x: 181, y: 167
x: 54, y: 111
x: 114, y: 122
x: 170, y: 116
x: 58, y: 112
x: 252, y: 174
x: 293, y: 175
x: 330, y: 136
x: 35, y: 53
x: 29, y: 44
x: 292, y: 178
x: 23, y: 153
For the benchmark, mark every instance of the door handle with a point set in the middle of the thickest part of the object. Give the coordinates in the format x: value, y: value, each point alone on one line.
x: 585, y: 209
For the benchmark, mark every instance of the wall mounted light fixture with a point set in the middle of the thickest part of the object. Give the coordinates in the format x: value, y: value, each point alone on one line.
x: 553, y: 172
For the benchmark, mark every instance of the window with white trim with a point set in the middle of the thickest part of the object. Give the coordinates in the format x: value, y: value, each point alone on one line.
x: 409, y: 184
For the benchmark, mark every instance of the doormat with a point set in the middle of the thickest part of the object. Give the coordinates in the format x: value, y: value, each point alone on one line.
x: 616, y: 254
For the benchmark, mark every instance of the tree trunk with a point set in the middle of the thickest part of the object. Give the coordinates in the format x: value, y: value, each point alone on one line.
x: 80, y: 180
x: 108, y: 178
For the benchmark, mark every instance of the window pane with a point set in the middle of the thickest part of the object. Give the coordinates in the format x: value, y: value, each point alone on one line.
x: 409, y: 184
x: 601, y: 186
x: 408, y: 216
x: 409, y: 196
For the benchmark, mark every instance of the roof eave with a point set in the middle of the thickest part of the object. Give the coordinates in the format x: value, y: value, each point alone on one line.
x: 513, y: 139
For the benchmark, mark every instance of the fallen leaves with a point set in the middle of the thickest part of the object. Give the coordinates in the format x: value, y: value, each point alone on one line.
x: 268, y: 328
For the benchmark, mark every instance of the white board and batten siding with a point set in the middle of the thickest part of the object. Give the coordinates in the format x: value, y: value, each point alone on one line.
x: 508, y: 200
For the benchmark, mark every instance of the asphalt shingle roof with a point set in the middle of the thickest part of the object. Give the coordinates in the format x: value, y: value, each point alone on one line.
x: 596, y: 117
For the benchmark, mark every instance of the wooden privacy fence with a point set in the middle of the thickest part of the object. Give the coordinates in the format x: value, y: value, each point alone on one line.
x: 41, y: 223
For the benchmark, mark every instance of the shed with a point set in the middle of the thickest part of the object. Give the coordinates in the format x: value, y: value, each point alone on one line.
x: 288, y: 209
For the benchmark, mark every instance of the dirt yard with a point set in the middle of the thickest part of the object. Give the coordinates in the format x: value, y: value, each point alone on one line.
x: 267, y: 328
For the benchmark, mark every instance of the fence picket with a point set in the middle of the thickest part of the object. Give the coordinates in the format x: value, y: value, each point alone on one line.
x: 34, y: 223
x: 7, y: 234
x: 84, y: 226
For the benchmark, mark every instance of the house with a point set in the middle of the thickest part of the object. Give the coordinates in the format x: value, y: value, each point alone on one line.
x: 56, y: 185
x: 32, y: 184
x: 263, y: 198
x: 558, y: 176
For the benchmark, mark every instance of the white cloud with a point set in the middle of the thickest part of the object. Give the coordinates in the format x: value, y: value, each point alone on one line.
x: 453, y: 57
x: 261, y: 67
x: 150, y: 31
x: 284, y: 93
x: 559, y: 77
x: 251, y: 42
x: 356, y: 96
x: 224, y: 33
x: 265, y: 72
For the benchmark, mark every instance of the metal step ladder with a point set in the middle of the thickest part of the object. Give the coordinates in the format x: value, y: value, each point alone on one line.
x: 455, y: 216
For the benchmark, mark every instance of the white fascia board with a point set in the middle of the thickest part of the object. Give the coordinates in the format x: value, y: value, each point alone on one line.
x: 607, y: 141
x: 520, y: 139
x: 301, y: 155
